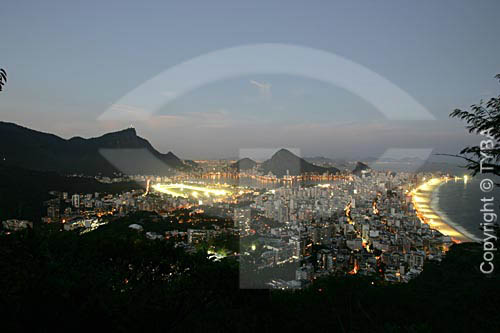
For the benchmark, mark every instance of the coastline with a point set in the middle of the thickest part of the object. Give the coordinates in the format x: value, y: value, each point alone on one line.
x: 425, y: 199
x: 437, y: 209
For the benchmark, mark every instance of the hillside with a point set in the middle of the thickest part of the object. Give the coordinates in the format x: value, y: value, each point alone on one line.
x: 22, y: 191
x: 134, y: 284
x: 284, y: 160
x: 244, y: 164
x: 111, y: 153
x: 360, y: 166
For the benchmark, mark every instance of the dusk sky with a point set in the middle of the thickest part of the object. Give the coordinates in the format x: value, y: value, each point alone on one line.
x: 69, y: 62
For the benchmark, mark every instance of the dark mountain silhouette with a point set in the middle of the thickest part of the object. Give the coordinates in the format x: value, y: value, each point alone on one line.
x: 112, y: 153
x: 244, y: 164
x: 360, y: 167
x: 173, y: 160
x: 284, y: 160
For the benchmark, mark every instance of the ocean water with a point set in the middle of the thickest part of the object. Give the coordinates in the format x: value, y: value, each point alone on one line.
x: 460, y: 203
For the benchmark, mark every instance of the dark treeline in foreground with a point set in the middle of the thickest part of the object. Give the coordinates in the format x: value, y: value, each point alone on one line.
x: 23, y: 191
x: 115, y: 279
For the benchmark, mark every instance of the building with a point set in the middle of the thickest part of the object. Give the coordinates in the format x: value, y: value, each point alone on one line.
x: 53, y: 213
x: 75, y: 200
x: 196, y: 236
x: 242, y: 217
x: 15, y: 225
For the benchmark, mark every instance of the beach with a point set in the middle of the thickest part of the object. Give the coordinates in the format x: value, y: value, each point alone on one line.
x: 425, y: 199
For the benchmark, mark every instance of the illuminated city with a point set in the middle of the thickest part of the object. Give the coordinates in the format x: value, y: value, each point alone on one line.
x: 186, y: 190
x: 250, y: 166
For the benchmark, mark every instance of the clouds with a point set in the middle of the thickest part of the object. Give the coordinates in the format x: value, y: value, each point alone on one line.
x: 170, y: 94
x: 212, y: 119
x: 192, y: 121
x: 264, y: 88
x: 124, y: 112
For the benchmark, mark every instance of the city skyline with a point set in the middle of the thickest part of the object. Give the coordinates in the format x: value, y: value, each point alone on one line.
x: 227, y: 166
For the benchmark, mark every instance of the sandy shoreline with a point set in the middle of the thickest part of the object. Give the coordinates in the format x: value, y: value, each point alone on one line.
x: 426, y: 202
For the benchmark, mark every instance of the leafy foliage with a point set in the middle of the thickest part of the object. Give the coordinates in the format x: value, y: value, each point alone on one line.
x: 63, y: 281
x: 484, y: 118
x: 22, y: 191
x: 3, y: 78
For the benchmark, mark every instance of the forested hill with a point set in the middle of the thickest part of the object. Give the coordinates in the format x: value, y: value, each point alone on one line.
x: 130, y: 283
x: 23, y: 191
x: 116, y: 152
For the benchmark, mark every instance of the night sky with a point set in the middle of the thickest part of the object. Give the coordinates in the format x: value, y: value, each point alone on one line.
x: 69, y: 62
